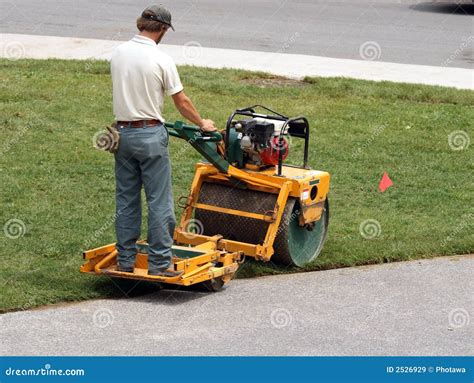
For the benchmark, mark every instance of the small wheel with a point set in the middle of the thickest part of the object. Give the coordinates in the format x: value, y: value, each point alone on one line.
x: 213, y: 285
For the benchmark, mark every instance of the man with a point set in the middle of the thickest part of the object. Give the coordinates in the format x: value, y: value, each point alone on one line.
x: 142, y: 75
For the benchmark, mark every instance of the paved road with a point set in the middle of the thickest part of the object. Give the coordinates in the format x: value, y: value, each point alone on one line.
x: 411, y: 308
x: 402, y: 31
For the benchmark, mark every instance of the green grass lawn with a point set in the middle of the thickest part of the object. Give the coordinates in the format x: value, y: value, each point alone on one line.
x: 61, y: 188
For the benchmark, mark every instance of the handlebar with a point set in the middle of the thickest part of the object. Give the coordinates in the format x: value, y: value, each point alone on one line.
x: 201, y: 141
x: 199, y: 135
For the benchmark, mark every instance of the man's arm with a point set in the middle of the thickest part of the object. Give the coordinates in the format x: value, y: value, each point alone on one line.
x: 188, y: 110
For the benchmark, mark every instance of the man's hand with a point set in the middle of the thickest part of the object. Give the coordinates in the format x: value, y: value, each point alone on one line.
x: 207, y: 126
x: 187, y: 109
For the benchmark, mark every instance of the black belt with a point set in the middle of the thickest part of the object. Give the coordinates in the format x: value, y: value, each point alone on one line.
x: 139, y: 123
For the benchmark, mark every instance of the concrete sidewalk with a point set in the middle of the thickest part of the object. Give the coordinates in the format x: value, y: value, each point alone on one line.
x: 410, y: 308
x: 15, y: 46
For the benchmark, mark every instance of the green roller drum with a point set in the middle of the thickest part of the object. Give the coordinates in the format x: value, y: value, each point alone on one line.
x: 294, y: 245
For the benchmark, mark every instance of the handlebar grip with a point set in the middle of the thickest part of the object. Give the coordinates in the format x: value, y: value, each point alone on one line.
x: 210, y: 136
x: 198, y: 134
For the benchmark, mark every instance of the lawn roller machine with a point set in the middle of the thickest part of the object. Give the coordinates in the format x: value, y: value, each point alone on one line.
x: 244, y: 201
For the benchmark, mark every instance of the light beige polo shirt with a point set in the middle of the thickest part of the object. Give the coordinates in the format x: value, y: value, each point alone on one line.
x: 141, y: 76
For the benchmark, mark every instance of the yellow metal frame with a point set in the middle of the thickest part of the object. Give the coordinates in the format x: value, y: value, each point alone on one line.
x: 217, y: 257
x: 200, y: 268
x: 265, y: 181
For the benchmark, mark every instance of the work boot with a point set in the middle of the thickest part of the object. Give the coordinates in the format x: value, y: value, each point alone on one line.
x: 169, y: 273
x: 125, y: 269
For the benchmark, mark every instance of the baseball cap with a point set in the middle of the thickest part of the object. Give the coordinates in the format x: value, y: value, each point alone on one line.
x: 158, y: 13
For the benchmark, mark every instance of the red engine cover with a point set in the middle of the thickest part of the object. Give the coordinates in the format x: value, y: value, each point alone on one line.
x: 270, y: 155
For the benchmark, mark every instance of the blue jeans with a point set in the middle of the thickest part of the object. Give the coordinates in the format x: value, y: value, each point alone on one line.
x: 143, y: 159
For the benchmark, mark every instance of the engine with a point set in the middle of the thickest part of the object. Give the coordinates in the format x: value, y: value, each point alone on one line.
x: 260, y: 141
